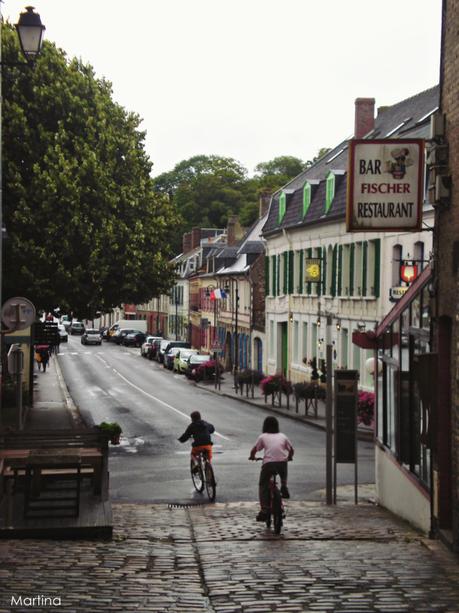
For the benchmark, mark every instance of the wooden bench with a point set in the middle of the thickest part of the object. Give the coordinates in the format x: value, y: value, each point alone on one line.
x: 89, y: 445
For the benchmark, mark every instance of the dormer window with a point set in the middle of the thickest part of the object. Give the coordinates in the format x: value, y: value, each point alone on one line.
x: 306, y: 197
x: 282, y: 206
x: 329, y: 191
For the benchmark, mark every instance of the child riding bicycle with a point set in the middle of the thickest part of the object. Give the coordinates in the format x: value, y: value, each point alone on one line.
x: 200, y: 431
x: 278, y: 450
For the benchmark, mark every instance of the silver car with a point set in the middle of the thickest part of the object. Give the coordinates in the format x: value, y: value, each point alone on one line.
x: 91, y: 337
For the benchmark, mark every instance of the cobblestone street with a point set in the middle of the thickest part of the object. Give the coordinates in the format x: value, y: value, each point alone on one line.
x: 217, y: 558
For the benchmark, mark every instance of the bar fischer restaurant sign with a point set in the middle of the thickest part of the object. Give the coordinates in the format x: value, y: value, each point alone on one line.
x: 385, y: 185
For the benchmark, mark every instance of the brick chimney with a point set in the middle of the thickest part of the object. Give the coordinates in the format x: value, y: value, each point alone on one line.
x: 234, y: 230
x: 364, y: 116
x: 195, y: 237
x: 186, y: 242
x: 263, y: 203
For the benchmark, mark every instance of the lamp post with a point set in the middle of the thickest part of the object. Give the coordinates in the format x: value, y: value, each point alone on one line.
x: 30, y: 32
x: 209, y: 290
x: 236, y: 322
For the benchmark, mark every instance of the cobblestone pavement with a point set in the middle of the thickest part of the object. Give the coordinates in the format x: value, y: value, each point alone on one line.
x: 216, y: 558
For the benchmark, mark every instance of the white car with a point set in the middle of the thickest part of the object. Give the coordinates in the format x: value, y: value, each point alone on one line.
x: 63, y: 334
x: 91, y: 337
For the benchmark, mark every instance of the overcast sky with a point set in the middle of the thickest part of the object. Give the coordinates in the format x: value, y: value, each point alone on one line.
x: 248, y: 79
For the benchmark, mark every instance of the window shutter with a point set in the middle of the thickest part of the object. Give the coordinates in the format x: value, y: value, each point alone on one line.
x: 324, y: 272
x: 301, y: 273
x: 309, y: 285
x: 340, y: 269
x: 334, y: 266
x: 351, y: 270
x: 285, y: 272
x: 267, y: 288
x: 278, y: 257
x: 364, y: 267
x: 377, y: 279
x: 291, y: 264
x: 274, y: 275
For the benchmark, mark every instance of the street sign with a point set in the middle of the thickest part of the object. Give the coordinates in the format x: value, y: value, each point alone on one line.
x: 312, y: 270
x: 45, y: 333
x: 18, y: 313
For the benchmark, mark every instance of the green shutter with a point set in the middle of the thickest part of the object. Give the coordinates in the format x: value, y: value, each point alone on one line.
x: 306, y: 198
x: 273, y: 278
x: 278, y: 257
x: 282, y: 206
x: 364, y: 267
x: 329, y: 191
x: 300, y: 279
x: 291, y: 264
x: 267, y: 275
x: 309, y: 285
x: 324, y: 272
x: 334, y: 265
x: 351, y: 270
x: 340, y: 269
x: 377, y: 279
x: 285, y: 275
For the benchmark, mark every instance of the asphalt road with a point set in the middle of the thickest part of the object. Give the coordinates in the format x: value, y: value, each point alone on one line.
x: 152, y: 405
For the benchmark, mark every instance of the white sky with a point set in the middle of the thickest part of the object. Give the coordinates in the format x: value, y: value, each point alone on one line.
x: 248, y: 79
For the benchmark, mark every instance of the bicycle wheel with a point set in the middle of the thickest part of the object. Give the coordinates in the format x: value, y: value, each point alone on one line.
x: 196, y: 475
x: 277, y: 511
x: 211, y: 486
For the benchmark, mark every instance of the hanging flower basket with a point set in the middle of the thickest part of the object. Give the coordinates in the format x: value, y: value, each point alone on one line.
x: 366, y: 408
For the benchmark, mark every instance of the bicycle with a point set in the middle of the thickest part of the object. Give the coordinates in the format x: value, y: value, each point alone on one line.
x: 276, y: 513
x: 202, y: 475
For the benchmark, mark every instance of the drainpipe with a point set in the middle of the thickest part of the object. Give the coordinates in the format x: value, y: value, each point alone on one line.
x: 289, y: 323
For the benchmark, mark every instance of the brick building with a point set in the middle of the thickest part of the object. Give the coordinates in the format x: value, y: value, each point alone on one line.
x: 445, y: 182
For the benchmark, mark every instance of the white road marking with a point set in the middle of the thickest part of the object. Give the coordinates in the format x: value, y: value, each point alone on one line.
x: 187, y: 417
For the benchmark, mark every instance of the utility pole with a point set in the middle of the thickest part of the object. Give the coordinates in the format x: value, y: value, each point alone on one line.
x: 329, y: 413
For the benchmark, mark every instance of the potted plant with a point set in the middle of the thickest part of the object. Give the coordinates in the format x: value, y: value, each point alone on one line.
x: 112, y: 430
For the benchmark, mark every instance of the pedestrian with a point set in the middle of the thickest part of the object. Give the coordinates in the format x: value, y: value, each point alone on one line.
x: 38, y: 358
x: 278, y: 450
x: 44, y: 352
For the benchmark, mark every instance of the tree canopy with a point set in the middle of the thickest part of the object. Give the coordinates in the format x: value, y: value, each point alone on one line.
x: 85, y: 227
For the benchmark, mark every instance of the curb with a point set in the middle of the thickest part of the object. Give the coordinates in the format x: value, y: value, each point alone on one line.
x: 362, y: 435
x: 77, y: 419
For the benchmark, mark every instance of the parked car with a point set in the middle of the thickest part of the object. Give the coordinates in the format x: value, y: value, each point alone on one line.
x: 181, y: 359
x: 76, y: 327
x: 167, y: 344
x: 63, y: 334
x: 154, y: 351
x: 169, y: 357
x: 91, y: 337
x: 119, y: 335
x: 134, y: 339
x: 194, y: 362
x: 103, y: 332
x: 147, y: 346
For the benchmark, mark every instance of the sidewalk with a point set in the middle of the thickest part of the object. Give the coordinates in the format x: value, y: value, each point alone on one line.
x: 228, y: 390
x: 217, y: 559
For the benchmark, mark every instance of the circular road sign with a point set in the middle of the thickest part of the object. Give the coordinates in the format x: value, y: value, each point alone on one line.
x: 18, y: 313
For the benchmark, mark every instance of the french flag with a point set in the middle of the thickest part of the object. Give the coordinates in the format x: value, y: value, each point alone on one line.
x: 218, y: 294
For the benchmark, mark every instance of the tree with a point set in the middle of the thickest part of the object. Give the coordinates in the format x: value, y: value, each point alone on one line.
x: 279, y: 170
x: 85, y: 228
x: 206, y: 190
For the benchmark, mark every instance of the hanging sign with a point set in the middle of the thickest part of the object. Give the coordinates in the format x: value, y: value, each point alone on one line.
x: 395, y: 293
x: 385, y: 185
x: 408, y: 272
x: 312, y: 270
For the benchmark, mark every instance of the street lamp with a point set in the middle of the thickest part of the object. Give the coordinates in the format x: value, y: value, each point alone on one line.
x: 236, y: 340
x: 209, y: 290
x: 30, y: 32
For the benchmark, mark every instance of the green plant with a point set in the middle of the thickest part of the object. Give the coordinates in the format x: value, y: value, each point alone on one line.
x: 275, y: 383
x: 250, y: 376
x: 111, y: 429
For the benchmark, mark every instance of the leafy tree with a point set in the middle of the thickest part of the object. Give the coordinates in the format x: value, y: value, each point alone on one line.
x: 207, y: 190
x: 85, y: 228
x: 278, y: 171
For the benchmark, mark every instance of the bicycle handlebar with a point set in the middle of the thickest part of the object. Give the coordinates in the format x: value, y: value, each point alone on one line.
x: 258, y: 459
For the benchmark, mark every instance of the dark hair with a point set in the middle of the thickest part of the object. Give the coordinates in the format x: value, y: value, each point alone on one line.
x: 271, y: 425
x: 195, y: 416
